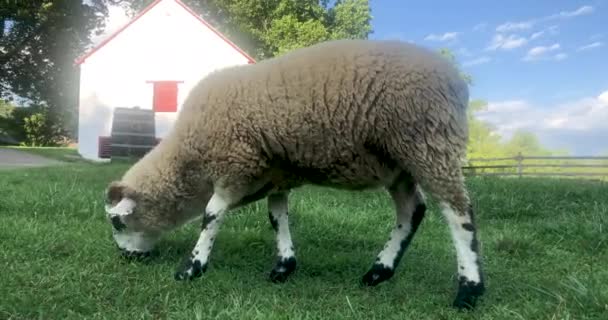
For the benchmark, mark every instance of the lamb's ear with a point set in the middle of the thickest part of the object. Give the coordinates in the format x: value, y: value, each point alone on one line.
x: 120, y: 200
x: 114, y: 193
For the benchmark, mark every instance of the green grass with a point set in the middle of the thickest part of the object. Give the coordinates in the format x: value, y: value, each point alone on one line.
x: 57, y: 153
x: 544, y: 242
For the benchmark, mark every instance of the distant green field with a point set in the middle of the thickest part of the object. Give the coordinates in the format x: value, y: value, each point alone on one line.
x: 544, y: 243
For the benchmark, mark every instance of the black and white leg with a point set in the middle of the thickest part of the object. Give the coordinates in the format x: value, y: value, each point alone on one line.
x: 470, y: 276
x: 410, y: 209
x: 278, y: 215
x: 196, y: 264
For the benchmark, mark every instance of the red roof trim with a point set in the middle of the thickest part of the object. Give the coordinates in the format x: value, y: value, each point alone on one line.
x: 148, y: 8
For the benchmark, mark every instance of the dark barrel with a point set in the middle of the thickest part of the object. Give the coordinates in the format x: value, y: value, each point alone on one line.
x: 133, y: 132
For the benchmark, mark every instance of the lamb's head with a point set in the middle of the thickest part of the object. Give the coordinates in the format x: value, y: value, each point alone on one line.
x: 128, y: 212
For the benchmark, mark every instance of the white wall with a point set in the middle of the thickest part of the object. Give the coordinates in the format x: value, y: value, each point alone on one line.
x: 167, y: 43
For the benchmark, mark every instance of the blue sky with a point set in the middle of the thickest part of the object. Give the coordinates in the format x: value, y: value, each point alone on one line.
x: 540, y: 64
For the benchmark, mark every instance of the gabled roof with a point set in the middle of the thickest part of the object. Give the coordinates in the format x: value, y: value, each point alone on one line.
x: 143, y: 12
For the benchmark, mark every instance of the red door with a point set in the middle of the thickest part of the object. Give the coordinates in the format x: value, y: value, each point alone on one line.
x: 165, y: 96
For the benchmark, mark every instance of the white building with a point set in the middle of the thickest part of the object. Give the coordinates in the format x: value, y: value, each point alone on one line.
x: 151, y: 62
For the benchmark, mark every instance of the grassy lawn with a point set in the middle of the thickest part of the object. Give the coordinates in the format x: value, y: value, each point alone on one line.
x: 544, y: 242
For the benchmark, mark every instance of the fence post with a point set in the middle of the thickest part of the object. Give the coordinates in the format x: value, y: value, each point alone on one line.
x: 520, y: 159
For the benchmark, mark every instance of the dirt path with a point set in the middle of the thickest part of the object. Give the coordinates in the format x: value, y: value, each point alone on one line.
x: 10, y: 158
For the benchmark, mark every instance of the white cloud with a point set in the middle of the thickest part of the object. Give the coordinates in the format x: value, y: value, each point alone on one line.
x: 590, y: 46
x: 480, y: 26
x: 560, y: 56
x: 508, y: 116
x: 584, y: 10
x: 513, y: 41
x: 514, y: 26
x: 574, y: 124
x: 507, y: 106
x: 584, y: 114
x: 536, y: 35
x: 596, y: 36
x: 536, y: 51
x: 510, y: 26
x: 539, y: 51
x: 603, y: 97
x: 524, y: 25
x: 478, y: 61
x: 552, y: 29
x: 448, y: 36
x: 581, y: 11
x: 506, y: 42
x: 547, y: 31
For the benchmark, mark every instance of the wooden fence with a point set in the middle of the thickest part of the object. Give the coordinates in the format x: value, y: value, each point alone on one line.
x: 520, y: 165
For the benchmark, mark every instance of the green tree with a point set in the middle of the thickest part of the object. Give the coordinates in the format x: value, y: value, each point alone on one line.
x: 12, y: 129
x: 38, y: 45
x: 448, y: 54
x: 6, y: 109
x: 39, y: 131
x: 287, y: 33
x: 350, y: 19
x: 6, y: 123
x: 16, y: 124
x: 526, y: 143
x: 35, y: 129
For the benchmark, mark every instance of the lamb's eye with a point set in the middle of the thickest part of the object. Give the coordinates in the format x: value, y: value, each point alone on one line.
x: 117, y: 224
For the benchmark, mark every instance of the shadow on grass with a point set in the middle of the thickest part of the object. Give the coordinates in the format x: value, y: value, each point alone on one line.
x: 336, y: 262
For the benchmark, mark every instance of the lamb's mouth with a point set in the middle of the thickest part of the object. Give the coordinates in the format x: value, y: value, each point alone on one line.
x: 134, y: 255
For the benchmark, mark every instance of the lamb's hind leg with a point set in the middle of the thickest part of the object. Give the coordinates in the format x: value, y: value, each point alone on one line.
x: 463, y: 230
x: 410, y: 209
x: 449, y: 189
x: 278, y: 214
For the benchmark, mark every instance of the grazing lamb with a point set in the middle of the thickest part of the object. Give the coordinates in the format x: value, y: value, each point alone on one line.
x: 349, y: 114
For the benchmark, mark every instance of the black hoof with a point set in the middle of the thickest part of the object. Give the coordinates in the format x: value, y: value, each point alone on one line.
x: 378, y: 273
x: 468, y: 293
x: 190, y: 270
x: 283, y: 269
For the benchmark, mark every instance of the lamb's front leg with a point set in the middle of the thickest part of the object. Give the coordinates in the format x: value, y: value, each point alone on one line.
x: 196, y: 264
x: 278, y: 214
x: 410, y: 209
